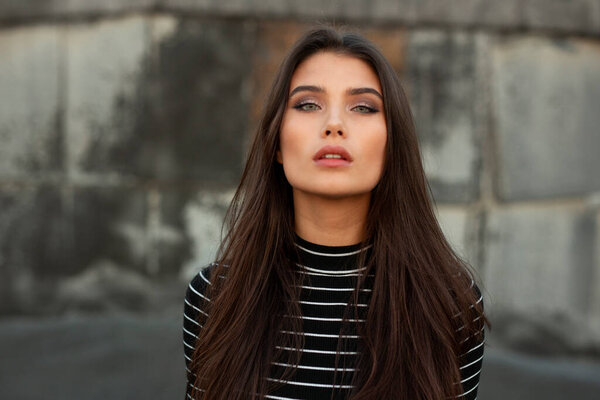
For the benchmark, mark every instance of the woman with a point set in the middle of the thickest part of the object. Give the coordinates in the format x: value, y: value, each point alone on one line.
x: 334, y: 280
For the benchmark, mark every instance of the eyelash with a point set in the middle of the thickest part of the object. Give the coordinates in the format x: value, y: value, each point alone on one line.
x: 299, y: 106
x: 370, y: 109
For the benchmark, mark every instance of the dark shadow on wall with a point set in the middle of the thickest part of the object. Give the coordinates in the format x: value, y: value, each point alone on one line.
x: 122, y: 233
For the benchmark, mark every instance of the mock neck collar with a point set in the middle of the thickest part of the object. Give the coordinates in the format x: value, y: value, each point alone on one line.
x: 331, y: 258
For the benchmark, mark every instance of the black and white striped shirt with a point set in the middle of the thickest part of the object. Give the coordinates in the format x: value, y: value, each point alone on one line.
x: 330, y: 274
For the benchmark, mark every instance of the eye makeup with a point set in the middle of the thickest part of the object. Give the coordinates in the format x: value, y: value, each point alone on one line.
x: 365, y: 108
x: 303, y: 102
x: 363, y: 105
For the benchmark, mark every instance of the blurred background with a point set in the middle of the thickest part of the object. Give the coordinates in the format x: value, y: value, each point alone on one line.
x: 123, y: 130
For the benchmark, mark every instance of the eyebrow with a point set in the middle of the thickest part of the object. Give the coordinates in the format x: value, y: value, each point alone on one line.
x: 319, y: 89
x: 355, y: 91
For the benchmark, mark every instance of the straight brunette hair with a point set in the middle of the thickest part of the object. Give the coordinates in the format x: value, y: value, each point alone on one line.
x: 423, y: 310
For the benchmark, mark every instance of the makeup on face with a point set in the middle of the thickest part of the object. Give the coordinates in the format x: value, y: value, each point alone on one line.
x: 333, y: 132
x: 310, y: 101
x: 333, y: 156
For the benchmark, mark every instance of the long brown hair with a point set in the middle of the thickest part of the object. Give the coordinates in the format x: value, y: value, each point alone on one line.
x: 421, y: 307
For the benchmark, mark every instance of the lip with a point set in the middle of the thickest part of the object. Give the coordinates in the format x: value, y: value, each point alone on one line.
x: 345, y: 160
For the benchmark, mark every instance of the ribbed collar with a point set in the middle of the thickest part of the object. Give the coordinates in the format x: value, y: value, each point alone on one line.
x: 330, y: 259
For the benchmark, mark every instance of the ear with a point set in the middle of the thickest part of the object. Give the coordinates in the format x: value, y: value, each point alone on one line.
x: 279, y: 157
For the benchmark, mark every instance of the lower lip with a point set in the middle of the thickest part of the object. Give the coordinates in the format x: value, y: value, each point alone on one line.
x: 332, y: 162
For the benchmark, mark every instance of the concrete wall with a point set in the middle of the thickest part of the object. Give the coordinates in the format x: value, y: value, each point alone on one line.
x: 124, y: 124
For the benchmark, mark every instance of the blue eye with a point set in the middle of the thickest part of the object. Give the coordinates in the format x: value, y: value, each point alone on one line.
x: 306, y: 107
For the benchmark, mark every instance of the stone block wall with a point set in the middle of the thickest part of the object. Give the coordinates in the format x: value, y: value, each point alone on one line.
x: 124, y: 126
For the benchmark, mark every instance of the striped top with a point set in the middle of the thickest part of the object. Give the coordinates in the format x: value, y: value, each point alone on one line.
x: 329, y: 277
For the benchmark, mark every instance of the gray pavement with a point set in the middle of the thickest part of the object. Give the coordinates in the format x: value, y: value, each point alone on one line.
x: 117, y: 357
x: 132, y: 357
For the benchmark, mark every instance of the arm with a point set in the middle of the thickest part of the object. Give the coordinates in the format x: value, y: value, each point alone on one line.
x: 194, y: 302
x: 472, y: 357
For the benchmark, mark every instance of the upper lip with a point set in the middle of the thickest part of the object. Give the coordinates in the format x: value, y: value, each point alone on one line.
x: 333, y: 150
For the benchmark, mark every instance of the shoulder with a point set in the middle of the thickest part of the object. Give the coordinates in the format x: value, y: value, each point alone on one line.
x: 475, y: 311
x: 471, y: 331
x: 196, y: 299
x: 466, y: 284
x: 478, y: 293
x: 471, y: 300
x: 196, y: 294
x: 197, y: 287
x: 195, y: 304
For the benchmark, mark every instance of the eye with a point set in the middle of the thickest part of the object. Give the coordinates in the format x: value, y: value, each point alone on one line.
x: 306, y: 106
x: 364, y: 109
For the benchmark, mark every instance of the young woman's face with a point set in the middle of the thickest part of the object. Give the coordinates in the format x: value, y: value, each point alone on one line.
x: 333, y: 133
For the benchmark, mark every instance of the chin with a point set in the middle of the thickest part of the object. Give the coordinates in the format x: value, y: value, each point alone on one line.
x: 338, y: 193
x: 332, y: 189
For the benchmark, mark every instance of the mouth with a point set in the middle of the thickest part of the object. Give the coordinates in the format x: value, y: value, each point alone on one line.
x: 332, y: 153
x: 332, y: 156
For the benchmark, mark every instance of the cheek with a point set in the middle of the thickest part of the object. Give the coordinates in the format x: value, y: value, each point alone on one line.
x: 291, y: 155
x: 375, y: 148
x: 290, y: 161
x: 295, y: 155
x: 286, y: 147
x: 291, y: 145
x: 381, y: 149
x: 379, y: 158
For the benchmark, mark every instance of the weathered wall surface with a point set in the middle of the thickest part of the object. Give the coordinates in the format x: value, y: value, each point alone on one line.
x: 572, y: 16
x: 124, y: 125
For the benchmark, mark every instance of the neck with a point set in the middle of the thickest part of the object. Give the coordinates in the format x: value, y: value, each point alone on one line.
x: 331, y: 221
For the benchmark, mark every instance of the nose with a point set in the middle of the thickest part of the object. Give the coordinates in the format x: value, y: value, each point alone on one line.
x: 334, y: 125
x: 338, y: 131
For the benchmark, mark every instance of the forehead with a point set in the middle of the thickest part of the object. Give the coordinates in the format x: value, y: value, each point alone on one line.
x: 328, y: 69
